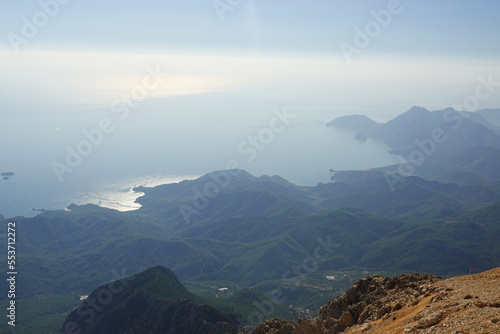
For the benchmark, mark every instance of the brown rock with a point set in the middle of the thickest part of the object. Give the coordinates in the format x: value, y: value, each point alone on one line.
x: 365, y: 327
x: 397, y: 306
x: 430, y: 320
x: 346, y: 320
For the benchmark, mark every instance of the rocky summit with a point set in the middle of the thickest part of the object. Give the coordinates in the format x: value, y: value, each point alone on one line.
x: 410, y: 303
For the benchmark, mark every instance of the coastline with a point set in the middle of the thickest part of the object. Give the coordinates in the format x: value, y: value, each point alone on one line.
x: 120, y: 195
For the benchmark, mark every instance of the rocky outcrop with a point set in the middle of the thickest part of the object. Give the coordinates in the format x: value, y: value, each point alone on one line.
x: 369, y: 299
x: 410, y: 303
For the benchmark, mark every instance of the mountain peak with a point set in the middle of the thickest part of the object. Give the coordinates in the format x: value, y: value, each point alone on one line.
x: 355, y: 123
x: 154, y: 301
x: 416, y: 113
x: 418, y: 109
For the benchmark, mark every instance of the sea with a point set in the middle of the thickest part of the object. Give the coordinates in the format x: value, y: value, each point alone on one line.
x: 304, y: 152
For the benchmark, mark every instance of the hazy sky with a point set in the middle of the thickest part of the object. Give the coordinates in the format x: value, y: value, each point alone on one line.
x: 207, y: 74
x: 427, y: 53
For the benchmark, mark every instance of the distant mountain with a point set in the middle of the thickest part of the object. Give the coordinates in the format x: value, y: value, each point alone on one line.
x: 378, y: 192
x: 439, y: 132
x: 452, y: 132
x: 153, y: 301
x: 481, y: 161
x: 489, y: 118
x: 491, y: 115
x: 224, y: 194
x: 356, y: 123
x: 394, y: 196
x: 445, y: 145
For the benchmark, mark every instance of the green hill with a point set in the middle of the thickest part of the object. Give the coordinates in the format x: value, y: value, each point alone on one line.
x: 153, y: 301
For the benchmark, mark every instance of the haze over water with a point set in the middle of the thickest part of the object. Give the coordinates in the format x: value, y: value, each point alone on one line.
x: 159, y: 151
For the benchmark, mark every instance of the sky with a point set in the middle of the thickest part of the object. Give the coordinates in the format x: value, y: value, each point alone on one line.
x: 425, y: 53
x: 180, y: 85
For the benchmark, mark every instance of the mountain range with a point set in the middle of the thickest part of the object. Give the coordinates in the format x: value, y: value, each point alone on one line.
x: 262, y: 239
x: 445, y: 145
